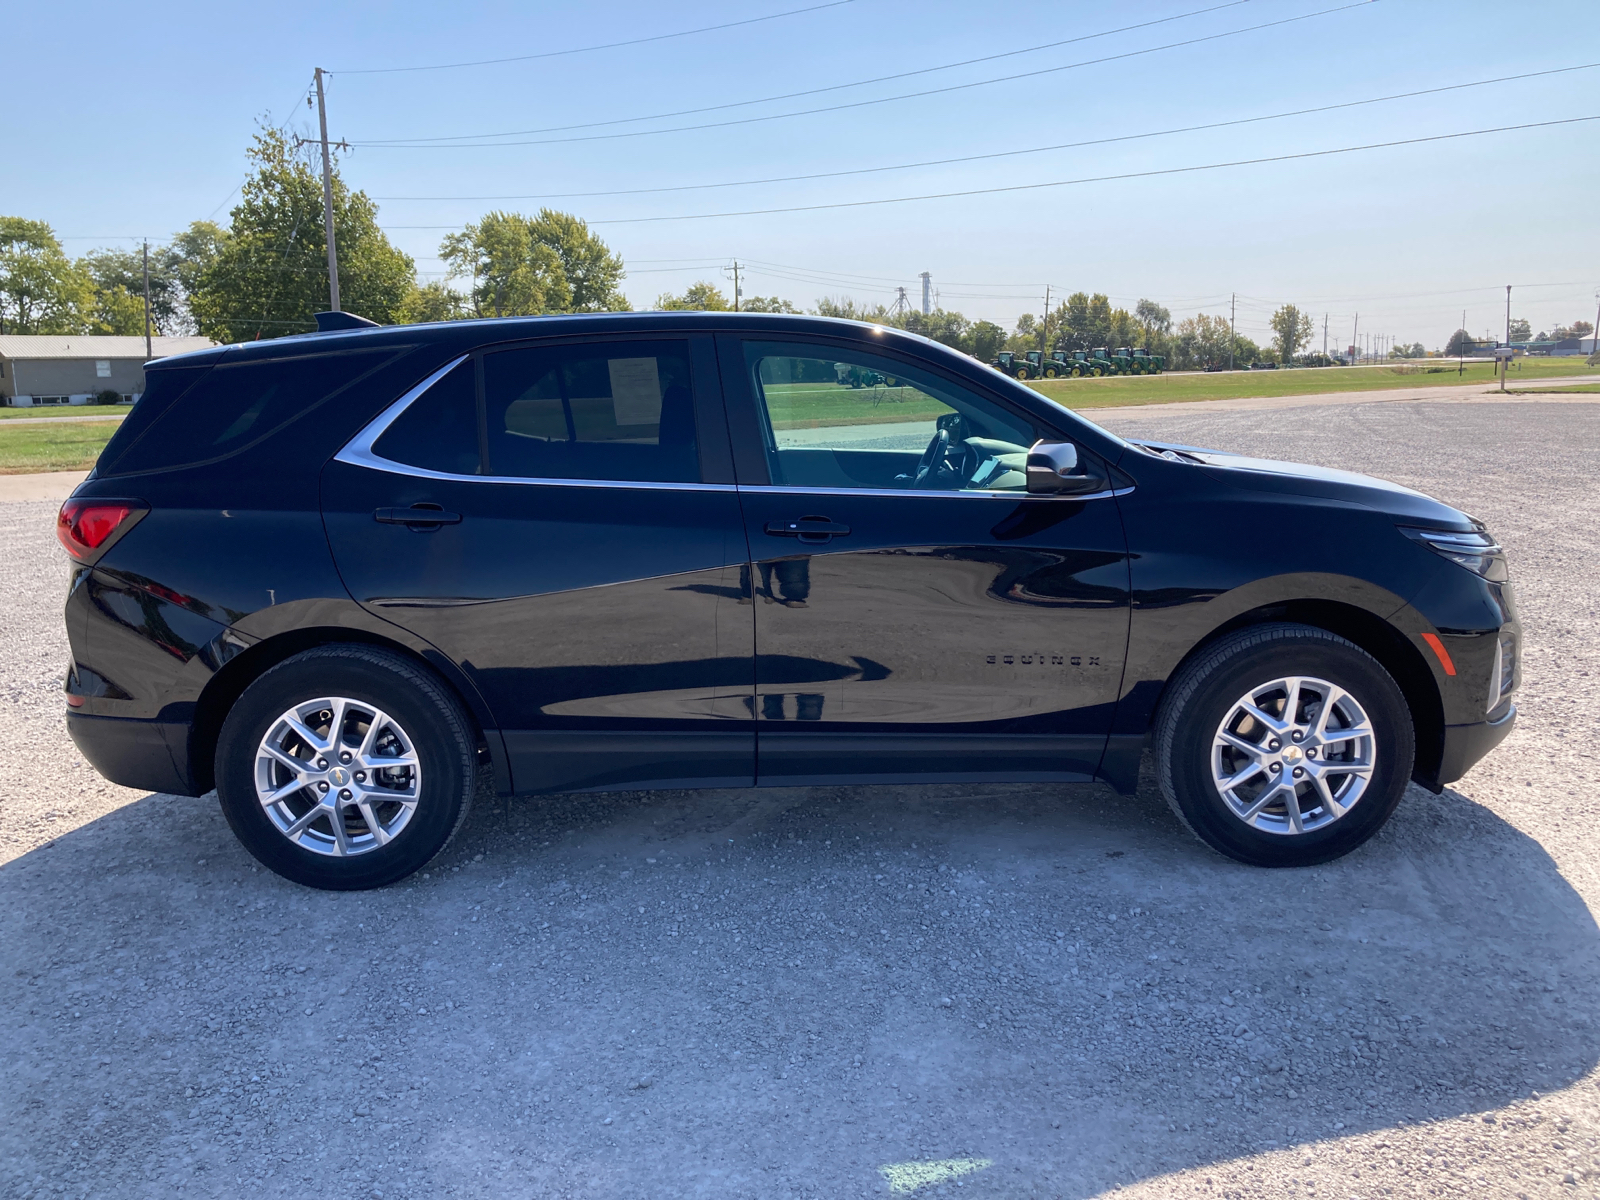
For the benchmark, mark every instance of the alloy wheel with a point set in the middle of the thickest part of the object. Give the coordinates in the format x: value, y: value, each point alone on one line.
x: 337, y: 776
x: 1293, y: 755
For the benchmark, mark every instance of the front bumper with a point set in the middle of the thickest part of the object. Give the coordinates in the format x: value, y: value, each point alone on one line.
x: 1464, y: 745
x: 135, y: 753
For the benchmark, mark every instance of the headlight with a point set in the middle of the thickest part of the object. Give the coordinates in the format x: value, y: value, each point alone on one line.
x: 1475, y: 550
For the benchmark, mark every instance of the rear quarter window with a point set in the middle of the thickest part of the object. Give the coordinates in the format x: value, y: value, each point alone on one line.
x: 235, y: 406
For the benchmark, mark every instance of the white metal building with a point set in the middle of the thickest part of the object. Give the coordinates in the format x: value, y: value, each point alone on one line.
x: 72, y: 369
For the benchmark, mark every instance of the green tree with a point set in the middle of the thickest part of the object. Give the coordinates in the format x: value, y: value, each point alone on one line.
x: 511, y: 274
x: 1292, y: 329
x: 767, y: 304
x: 1522, y: 330
x: 269, y: 276
x: 592, y: 270
x: 1461, y: 343
x: 41, y: 289
x: 523, y: 266
x: 985, y: 340
x: 697, y: 297
x: 435, y: 301
x: 1153, y: 316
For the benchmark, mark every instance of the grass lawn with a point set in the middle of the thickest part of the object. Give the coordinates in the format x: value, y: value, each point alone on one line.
x: 1189, y: 385
x: 67, y: 410
x: 70, y: 446
x: 811, y: 405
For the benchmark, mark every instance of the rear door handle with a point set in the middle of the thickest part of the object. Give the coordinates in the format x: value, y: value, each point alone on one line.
x: 417, y: 517
x: 810, y: 530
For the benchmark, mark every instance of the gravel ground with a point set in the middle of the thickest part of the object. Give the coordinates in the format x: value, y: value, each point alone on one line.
x: 980, y: 991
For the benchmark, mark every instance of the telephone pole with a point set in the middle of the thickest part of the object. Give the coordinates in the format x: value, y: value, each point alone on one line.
x: 736, y: 295
x: 148, y: 352
x: 927, y: 293
x: 1044, y: 328
x: 1505, y: 363
x: 1461, y: 347
x: 327, y: 199
x: 1233, y: 335
x: 1324, y: 335
x: 1354, y: 339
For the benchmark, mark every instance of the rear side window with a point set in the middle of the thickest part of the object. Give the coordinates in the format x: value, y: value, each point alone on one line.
x: 439, y: 430
x: 614, y: 411
x: 163, y: 387
x: 238, y: 404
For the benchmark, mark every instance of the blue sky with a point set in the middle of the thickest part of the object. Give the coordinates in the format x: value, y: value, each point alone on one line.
x: 127, y: 122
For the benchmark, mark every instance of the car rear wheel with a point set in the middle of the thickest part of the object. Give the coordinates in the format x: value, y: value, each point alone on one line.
x: 345, y: 767
x: 1284, y: 745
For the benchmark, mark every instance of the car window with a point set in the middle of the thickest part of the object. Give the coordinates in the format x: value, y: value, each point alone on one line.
x: 237, y: 404
x: 850, y: 419
x: 438, y: 431
x: 618, y: 410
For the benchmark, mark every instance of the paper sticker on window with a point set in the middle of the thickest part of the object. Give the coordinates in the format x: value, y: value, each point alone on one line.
x: 635, y: 390
x: 102, y: 368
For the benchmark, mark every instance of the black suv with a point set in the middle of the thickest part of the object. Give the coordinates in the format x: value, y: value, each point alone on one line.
x: 342, y: 577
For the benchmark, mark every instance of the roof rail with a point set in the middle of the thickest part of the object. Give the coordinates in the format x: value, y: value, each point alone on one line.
x: 332, y: 322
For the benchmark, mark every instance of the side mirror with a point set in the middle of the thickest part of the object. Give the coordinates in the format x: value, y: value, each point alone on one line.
x: 1053, y: 471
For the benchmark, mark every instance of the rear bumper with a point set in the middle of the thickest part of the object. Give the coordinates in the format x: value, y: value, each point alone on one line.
x: 1464, y: 745
x: 135, y: 753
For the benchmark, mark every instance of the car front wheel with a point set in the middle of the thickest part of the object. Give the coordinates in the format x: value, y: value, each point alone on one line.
x: 345, y: 767
x: 1284, y: 745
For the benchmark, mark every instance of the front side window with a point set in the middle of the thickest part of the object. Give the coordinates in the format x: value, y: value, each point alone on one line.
x: 836, y: 418
x: 612, y: 411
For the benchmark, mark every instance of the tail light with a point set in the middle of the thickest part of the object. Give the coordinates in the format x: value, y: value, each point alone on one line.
x: 88, y: 526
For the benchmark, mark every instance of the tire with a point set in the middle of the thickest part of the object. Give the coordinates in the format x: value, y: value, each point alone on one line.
x: 418, y: 804
x: 1204, y: 702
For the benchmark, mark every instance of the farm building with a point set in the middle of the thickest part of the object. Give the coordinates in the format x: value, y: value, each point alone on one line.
x: 72, y: 369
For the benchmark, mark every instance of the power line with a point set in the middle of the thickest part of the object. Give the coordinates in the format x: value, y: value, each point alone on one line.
x: 420, y: 144
x: 941, y: 162
x: 660, y: 37
x: 1028, y: 187
x: 836, y: 87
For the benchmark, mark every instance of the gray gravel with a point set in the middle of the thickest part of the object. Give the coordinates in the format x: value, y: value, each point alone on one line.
x: 1006, y: 991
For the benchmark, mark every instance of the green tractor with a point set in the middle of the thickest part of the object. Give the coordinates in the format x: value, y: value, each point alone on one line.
x: 1067, y: 365
x: 1145, y: 363
x: 1018, y: 367
x: 1107, y: 362
x: 1055, y: 367
x: 852, y: 376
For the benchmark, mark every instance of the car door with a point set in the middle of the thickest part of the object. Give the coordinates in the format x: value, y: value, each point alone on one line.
x: 559, y: 519
x: 918, y: 614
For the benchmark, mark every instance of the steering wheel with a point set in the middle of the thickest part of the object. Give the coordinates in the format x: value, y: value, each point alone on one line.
x: 933, y: 458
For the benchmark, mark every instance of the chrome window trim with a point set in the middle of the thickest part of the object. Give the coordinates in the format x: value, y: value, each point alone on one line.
x: 358, y: 452
x: 975, y: 494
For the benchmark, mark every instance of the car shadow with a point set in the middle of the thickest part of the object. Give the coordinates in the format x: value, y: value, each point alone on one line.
x: 831, y: 991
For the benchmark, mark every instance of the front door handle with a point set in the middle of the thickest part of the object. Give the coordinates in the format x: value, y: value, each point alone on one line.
x: 418, y: 516
x: 813, y: 531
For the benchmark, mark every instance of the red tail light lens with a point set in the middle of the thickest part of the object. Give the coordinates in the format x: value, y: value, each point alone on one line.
x: 85, y: 525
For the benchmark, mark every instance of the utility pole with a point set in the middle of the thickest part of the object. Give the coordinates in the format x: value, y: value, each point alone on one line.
x: 1354, y: 340
x: 327, y: 199
x: 1461, y: 347
x: 927, y: 293
x: 736, y: 296
x: 1044, y: 328
x: 1233, y: 314
x: 148, y: 352
x: 1505, y: 363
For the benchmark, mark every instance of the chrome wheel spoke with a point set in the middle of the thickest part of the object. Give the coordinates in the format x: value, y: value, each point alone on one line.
x: 1244, y: 776
x: 1271, y: 722
x: 1333, y: 737
x: 283, y: 793
x: 1325, y: 794
x: 297, y: 765
x: 1260, y: 803
x: 1291, y: 808
x: 302, y: 823
x: 1242, y: 745
x: 374, y: 826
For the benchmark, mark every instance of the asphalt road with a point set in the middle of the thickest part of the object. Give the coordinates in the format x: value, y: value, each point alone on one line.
x: 830, y: 992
